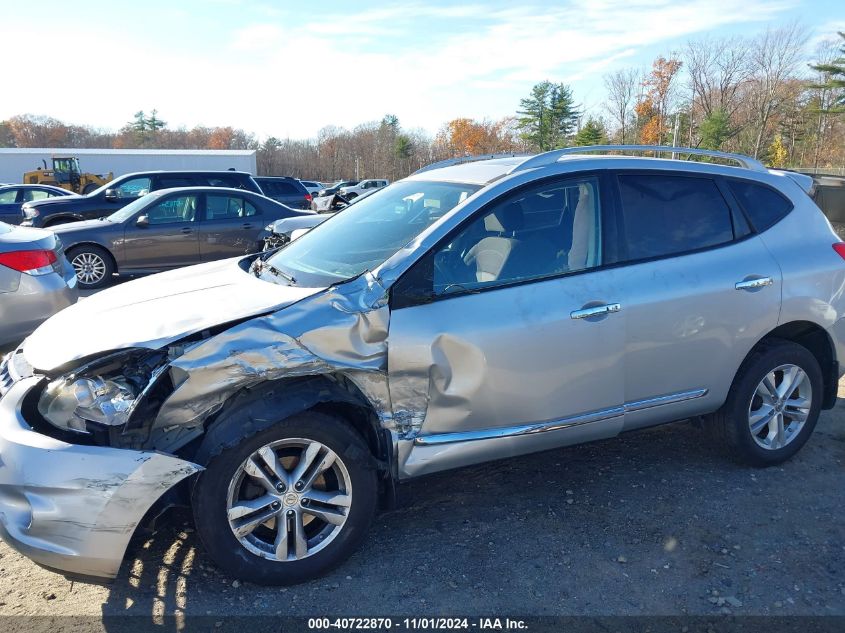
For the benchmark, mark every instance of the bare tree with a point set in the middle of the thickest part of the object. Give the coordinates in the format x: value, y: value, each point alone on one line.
x: 621, y: 89
x: 774, y: 57
x: 717, y: 68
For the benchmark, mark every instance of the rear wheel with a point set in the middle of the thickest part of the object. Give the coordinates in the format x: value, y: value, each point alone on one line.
x: 773, y: 405
x: 288, y: 503
x: 94, y: 267
x: 89, y: 188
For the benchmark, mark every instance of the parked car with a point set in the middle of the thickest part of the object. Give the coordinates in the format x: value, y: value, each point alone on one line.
x: 36, y: 281
x: 119, y: 192
x: 288, y: 191
x: 12, y: 198
x: 170, y: 228
x: 312, y: 186
x: 333, y: 189
x: 471, y: 312
x: 350, y: 192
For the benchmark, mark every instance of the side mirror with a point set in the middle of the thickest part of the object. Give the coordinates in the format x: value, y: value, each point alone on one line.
x: 112, y: 194
x: 143, y: 221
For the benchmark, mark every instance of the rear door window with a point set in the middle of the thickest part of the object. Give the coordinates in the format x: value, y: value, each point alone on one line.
x: 221, y: 207
x: 169, y: 182
x: 763, y: 206
x: 665, y: 214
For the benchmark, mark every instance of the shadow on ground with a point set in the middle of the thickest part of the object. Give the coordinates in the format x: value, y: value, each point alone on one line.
x: 656, y: 522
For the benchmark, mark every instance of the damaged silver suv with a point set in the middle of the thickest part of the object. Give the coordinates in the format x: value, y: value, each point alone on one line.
x: 473, y: 311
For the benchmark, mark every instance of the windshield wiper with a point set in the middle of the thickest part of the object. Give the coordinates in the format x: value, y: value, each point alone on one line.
x: 260, y: 266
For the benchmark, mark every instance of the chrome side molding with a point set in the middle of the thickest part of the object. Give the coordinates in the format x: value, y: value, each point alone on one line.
x: 556, y: 425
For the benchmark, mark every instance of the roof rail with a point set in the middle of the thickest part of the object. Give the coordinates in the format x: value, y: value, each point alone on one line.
x: 467, y: 159
x: 549, y: 158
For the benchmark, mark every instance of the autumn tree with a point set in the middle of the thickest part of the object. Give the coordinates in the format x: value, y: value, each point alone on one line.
x: 653, y: 107
x: 548, y: 115
x: 778, y: 154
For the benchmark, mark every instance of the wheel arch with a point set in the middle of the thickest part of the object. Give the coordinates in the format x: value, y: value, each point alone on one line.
x: 257, y: 408
x: 76, y: 245
x: 815, y: 339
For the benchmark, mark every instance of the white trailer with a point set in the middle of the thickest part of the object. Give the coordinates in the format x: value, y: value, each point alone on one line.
x: 15, y: 161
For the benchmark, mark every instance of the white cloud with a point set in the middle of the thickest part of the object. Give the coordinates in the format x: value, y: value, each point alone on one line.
x: 426, y: 64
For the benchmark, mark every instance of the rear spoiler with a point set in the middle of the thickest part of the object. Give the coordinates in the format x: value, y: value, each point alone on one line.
x: 802, y: 180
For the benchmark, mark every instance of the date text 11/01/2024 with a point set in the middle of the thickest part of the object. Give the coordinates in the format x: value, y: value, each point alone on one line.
x: 431, y: 624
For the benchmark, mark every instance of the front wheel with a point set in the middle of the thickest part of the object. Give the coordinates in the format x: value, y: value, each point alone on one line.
x: 773, y: 405
x: 94, y: 267
x: 289, y: 503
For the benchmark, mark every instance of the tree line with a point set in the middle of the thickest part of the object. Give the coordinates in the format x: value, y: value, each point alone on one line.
x: 753, y: 95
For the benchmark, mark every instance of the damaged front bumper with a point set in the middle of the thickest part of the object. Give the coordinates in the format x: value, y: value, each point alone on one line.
x: 71, y: 507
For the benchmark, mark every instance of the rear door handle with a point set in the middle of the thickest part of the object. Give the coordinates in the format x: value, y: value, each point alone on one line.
x: 586, y: 313
x: 247, y: 225
x: 187, y: 230
x: 754, y: 284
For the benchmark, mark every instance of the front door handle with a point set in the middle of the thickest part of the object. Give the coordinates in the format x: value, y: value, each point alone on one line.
x: 186, y: 230
x: 247, y: 225
x: 754, y: 284
x: 586, y: 313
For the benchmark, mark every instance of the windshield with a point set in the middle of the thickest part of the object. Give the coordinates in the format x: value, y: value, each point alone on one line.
x: 367, y: 233
x: 121, y: 215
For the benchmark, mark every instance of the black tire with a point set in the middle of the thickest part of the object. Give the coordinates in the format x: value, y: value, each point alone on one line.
x: 730, y: 425
x: 351, y: 196
x: 210, y: 499
x: 58, y: 221
x: 89, y: 188
x: 99, y: 274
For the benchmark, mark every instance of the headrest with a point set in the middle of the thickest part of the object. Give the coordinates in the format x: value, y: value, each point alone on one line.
x: 506, y: 219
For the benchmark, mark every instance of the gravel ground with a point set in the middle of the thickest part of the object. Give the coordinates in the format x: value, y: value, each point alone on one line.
x: 651, y: 523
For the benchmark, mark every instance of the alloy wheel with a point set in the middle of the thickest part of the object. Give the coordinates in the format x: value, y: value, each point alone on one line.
x: 289, y: 499
x: 90, y: 268
x: 780, y: 407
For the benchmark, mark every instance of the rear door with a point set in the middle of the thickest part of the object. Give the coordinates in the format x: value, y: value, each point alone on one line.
x: 229, y: 226
x: 170, y: 237
x: 698, y: 288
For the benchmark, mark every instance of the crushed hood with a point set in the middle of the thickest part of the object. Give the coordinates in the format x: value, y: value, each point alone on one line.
x: 154, y: 311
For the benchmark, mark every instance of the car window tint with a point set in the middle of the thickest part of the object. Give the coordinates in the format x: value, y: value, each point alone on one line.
x: 282, y: 188
x: 35, y: 194
x: 8, y: 197
x: 219, y: 207
x: 665, y: 214
x: 763, y: 205
x: 175, y: 210
x: 546, y: 230
x: 133, y: 187
x: 169, y: 182
x: 224, y: 181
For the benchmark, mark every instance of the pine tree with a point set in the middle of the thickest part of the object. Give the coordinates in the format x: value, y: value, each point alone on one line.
x: 548, y: 116
x: 715, y: 129
x: 835, y: 72
x: 593, y: 133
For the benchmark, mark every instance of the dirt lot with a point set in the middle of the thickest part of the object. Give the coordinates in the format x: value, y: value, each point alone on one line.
x: 656, y: 522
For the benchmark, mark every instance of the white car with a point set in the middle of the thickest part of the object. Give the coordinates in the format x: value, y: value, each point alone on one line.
x: 312, y: 186
x: 365, y: 186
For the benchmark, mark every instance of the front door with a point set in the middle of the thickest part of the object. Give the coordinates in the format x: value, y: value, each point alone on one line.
x: 168, y: 239
x: 519, y: 343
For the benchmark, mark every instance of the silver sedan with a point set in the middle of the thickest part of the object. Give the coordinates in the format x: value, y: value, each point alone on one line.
x: 36, y: 280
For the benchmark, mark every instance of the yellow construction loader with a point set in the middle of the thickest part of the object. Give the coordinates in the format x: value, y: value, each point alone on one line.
x: 66, y: 174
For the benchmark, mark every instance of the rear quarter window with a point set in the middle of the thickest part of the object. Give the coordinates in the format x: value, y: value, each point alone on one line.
x: 763, y: 205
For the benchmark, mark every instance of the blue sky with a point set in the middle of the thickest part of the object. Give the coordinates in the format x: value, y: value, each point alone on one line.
x: 290, y: 68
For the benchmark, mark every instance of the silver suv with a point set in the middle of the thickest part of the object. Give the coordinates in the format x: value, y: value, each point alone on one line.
x: 471, y: 312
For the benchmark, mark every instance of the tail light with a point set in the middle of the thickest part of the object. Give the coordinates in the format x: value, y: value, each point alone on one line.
x: 839, y: 247
x: 308, y: 197
x: 29, y: 262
